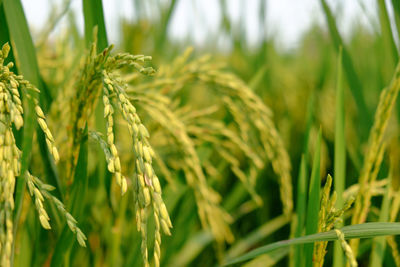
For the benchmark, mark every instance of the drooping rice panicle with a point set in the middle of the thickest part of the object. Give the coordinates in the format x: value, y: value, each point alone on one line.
x: 41, y: 119
x: 38, y: 190
x: 158, y: 96
x: 261, y: 118
x: 347, y: 249
x: 146, y: 184
x: 258, y: 114
x: 211, y: 215
x: 373, y: 158
x: 11, y: 110
x: 99, y: 79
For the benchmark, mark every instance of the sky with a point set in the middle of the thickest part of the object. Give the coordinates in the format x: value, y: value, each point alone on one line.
x: 286, y: 19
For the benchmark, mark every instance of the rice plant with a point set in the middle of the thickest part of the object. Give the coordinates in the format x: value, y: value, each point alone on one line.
x: 158, y: 152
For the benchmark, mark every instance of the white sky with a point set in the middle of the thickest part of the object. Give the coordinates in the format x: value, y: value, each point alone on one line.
x: 287, y: 19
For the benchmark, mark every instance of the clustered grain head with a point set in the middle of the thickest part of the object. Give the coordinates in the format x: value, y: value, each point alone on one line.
x: 11, y: 114
x: 255, y: 135
x: 41, y: 119
x: 346, y: 248
x: 41, y: 191
x: 210, y: 213
x: 99, y: 80
x: 328, y: 216
x: 375, y: 152
x: 147, y: 189
x: 260, y: 117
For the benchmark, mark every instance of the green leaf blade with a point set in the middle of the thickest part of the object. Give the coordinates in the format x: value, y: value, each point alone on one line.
x: 340, y: 154
x: 313, y: 201
x: 365, y: 230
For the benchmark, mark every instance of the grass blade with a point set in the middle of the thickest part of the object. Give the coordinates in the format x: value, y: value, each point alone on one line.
x: 365, y: 230
x: 313, y: 202
x: 296, y: 259
x: 251, y: 239
x: 5, y: 36
x: 79, y: 188
x: 379, y: 243
x: 256, y: 82
x: 301, y: 209
x: 94, y: 16
x: 386, y: 30
x: 268, y: 260
x: 166, y: 19
x: 23, y: 44
x: 351, y: 76
x: 309, y: 123
x: 340, y: 155
x: 192, y: 248
x: 396, y: 9
x: 21, y: 36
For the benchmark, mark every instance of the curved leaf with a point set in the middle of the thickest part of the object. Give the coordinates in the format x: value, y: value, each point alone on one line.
x: 365, y: 230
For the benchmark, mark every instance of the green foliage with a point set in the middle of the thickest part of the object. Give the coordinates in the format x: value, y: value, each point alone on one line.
x: 211, y: 148
x: 366, y: 230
